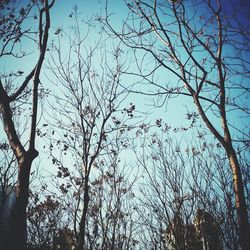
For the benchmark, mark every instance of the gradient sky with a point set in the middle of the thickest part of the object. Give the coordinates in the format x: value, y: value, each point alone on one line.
x: 176, y: 109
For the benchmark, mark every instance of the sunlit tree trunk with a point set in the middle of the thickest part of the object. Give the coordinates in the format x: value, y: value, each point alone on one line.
x: 226, y: 142
x: 240, y: 201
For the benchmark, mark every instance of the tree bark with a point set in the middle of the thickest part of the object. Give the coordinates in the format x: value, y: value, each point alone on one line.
x: 18, y: 223
x: 226, y: 142
x: 240, y: 201
x: 81, y: 235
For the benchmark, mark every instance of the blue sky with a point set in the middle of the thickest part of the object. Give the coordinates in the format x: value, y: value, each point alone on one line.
x: 174, y: 113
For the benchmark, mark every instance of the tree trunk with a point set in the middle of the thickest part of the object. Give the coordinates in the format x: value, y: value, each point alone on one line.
x: 81, y: 235
x: 18, y: 236
x: 240, y: 201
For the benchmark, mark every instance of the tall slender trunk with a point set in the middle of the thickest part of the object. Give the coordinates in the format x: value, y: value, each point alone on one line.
x: 226, y: 142
x: 240, y: 201
x: 81, y: 235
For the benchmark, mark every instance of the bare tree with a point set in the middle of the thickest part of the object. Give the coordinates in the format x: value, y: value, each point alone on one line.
x: 204, y: 46
x: 24, y: 154
x: 112, y: 220
x: 186, y: 194
x: 89, y: 126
